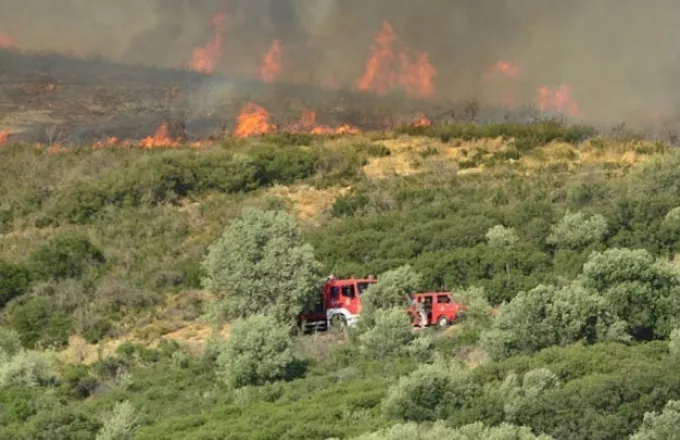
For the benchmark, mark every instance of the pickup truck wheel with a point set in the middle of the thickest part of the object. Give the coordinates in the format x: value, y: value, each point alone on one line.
x: 443, y: 322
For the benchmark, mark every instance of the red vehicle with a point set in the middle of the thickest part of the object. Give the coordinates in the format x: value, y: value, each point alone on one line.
x: 339, y: 302
x: 440, y: 307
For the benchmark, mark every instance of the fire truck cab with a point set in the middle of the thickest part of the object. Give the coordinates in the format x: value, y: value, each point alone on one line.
x: 339, y: 302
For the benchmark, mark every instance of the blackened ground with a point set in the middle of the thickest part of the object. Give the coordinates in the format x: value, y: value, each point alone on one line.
x: 50, y: 98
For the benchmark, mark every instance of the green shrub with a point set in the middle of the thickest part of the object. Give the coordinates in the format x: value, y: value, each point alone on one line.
x: 475, y: 431
x: 26, y: 368
x: 38, y: 322
x: 258, y: 351
x: 66, y: 256
x: 14, y: 281
x: 10, y: 342
x: 430, y: 393
x: 389, y: 335
x: 662, y: 426
x: 576, y: 230
x: 121, y: 424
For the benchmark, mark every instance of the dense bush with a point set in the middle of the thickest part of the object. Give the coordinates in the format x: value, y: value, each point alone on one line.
x: 430, y: 393
x: 14, y: 281
x: 475, y: 431
x: 66, y: 256
x: 261, y: 265
x: 258, y: 351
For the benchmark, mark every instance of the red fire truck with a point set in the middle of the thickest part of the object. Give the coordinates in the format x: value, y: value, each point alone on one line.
x: 339, y: 302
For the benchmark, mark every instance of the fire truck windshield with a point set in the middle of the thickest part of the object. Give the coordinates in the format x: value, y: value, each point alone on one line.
x: 362, y: 287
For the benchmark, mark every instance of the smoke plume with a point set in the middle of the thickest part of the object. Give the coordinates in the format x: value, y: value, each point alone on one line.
x: 619, y: 58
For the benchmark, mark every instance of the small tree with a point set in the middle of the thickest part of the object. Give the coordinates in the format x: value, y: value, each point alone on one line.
x: 503, y: 239
x: 670, y: 232
x: 261, y: 265
x: 392, y: 290
x: 577, y: 231
x: 516, y: 393
x: 664, y: 426
x: 121, y: 424
x: 547, y: 315
x: 10, y: 342
x: 258, y: 351
x: 638, y: 289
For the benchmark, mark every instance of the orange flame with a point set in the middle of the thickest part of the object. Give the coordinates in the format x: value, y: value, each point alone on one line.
x: 4, y: 136
x: 204, y: 57
x: 271, y: 63
x: 422, y: 121
x: 417, y: 77
x: 253, y: 120
x: 309, y: 124
x: 5, y: 41
x: 159, y: 139
x: 383, y: 74
x: 503, y: 69
x: 558, y: 100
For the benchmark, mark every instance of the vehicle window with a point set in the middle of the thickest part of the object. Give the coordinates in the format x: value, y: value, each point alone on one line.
x: 443, y: 299
x: 335, y: 292
x: 348, y: 291
x: 362, y: 287
x: 428, y: 301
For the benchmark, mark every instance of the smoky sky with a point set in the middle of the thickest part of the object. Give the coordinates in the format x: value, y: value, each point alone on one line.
x: 621, y: 57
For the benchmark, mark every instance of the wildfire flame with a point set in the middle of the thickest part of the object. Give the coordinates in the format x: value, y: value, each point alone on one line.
x: 4, y: 136
x: 5, y: 41
x: 386, y: 70
x: 159, y: 139
x: 422, y: 121
x: 253, y: 120
x: 502, y: 69
x: 272, y: 63
x: 559, y: 100
x: 204, y: 57
x: 308, y: 124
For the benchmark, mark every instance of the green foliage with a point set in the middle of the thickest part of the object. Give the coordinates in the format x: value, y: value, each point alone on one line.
x: 664, y: 426
x: 10, y: 342
x: 261, y: 265
x: 576, y: 230
x: 516, y: 393
x: 121, y: 424
x: 502, y: 238
x: 392, y: 290
x: 430, y: 393
x: 638, y: 289
x: 258, y: 351
x: 14, y: 281
x: 474, y: 431
x: 26, y: 368
x: 546, y: 316
x: 66, y: 256
x: 527, y: 136
x: 37, y: 322
x: 389, y: 335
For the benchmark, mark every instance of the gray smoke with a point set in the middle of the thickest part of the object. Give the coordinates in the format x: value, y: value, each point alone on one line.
x: 620, y: 56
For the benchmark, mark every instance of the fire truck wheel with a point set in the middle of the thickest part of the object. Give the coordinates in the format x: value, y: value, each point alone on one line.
x: 443, y: 322
x: 338, y: 321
